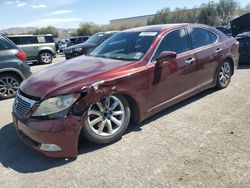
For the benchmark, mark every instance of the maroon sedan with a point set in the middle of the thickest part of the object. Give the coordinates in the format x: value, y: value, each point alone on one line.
x: 133, y: 75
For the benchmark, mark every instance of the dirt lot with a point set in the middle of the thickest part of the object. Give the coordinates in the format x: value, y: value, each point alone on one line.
x: 201, y: 142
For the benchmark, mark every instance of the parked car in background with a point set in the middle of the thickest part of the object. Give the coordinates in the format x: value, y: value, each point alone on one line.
x: 77, y: 40
x: 13, y: 68
x: 131, y: 76
x: 39, y: 48
x: 90, y: 44
x: 63, y: 44
x: 241, y: 30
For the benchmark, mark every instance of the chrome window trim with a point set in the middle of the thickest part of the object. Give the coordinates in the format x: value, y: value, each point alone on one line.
x: 186, y: 30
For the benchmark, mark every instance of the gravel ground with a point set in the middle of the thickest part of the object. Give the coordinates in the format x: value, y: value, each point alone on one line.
x: 201, y: 142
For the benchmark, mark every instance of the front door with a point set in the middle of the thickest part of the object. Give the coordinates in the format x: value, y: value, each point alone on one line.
x: 175, y: 77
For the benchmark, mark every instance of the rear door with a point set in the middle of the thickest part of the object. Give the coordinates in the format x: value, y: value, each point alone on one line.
x: 208, y: 52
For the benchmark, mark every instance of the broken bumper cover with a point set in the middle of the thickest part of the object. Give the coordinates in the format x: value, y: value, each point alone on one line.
x: 54, y: 138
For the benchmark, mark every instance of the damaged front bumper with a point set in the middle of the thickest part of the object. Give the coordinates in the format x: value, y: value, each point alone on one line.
x: 54, y: 138
x: 57, y: 137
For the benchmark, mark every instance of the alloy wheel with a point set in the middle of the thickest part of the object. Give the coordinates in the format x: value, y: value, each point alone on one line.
x: 46, y: 57
x: 8, y: 86
x: 107, y: 116
x: 225, y: 73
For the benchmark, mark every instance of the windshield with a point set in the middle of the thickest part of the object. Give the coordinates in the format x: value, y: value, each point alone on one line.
x: 126, y: 46
x: 95, y: 39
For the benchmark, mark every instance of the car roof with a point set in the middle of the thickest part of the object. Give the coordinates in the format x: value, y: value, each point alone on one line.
x: 162, y: 27
x: 155, y: 28
x: 110, y: 32
x: 28, y: 35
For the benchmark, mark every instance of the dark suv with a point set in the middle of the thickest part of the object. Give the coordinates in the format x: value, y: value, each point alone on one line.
x: 241, y: 30
x: 90, y: 44
x: 39, y: 48
x: 13, y: 68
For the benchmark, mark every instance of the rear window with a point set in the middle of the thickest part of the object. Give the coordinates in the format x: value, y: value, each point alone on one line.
x: 49, y: 39
x: 4, y: 45
x: 214, y: 38
x: 201, y: 37
x: 22, y: 40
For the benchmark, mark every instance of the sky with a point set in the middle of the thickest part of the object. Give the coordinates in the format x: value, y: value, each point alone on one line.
x: 70, y: 13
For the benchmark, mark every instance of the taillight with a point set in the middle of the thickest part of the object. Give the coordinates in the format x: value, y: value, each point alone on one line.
x: 21, y: 55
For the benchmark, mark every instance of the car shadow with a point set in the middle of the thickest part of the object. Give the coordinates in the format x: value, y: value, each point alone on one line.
x: 18, y: 157
x: 138, y: 127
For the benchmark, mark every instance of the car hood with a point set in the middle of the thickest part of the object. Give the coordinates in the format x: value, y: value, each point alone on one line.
x: 240, y: 24
x: 82, y: 45
x: 69, y: 76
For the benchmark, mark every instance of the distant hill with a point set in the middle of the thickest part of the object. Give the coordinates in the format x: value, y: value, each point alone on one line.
x: 18, y: 30
x: 63, y: 33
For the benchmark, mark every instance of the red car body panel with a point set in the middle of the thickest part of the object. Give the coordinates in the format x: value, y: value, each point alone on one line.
x: 149, y: 88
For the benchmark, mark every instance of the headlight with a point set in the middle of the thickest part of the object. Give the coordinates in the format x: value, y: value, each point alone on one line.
x: 78, y: 49
x: 55, y: 104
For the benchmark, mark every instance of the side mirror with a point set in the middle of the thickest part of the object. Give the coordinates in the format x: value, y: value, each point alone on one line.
x: 164, y: 56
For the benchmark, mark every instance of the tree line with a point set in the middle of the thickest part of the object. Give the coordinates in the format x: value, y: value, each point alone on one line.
x: 210, y: 13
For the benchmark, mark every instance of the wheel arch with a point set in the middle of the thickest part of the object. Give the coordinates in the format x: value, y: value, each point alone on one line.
x: 231, y: 61
x: 134, y: 107
x: 46, y: 50
x: 13, y: 72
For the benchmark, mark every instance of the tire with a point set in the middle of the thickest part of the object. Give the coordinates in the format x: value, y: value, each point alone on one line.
x: 9, y: 84
x: 224, y: 75
x: 45, y: 57
x: 107, y: 120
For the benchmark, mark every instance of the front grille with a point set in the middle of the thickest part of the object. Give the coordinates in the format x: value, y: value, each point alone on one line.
x: 22, y: 105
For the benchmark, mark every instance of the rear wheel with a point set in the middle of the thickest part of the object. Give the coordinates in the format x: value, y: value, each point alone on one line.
x: 107, y: 119
x: 9, y: 85
x: 224, y: 75
x: 45, y: 57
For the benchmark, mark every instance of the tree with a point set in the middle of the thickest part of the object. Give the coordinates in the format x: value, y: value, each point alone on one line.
x: 47, y: 30
x: 88, y: 29
x: 247, y: 6
x: 226, y: 10
x: 161, y: 17
x: 179, y: 15
x: 208, y: 14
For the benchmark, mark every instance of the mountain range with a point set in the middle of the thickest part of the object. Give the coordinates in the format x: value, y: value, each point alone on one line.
x: 63, y: 33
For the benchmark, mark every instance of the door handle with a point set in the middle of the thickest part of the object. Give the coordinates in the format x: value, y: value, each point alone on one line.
x: 218, y: 50
x: 189, y: 60
x: 35, y: 47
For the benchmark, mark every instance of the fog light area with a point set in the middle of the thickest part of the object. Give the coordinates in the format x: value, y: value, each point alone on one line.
x: 50, y: 147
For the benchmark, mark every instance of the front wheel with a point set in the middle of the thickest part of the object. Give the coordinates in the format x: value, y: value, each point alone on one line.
x: 224, y: 75
x: 45, y: 57
x: 107, y: 119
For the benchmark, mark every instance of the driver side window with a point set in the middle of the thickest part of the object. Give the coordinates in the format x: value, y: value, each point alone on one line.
x: 175, y: 41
